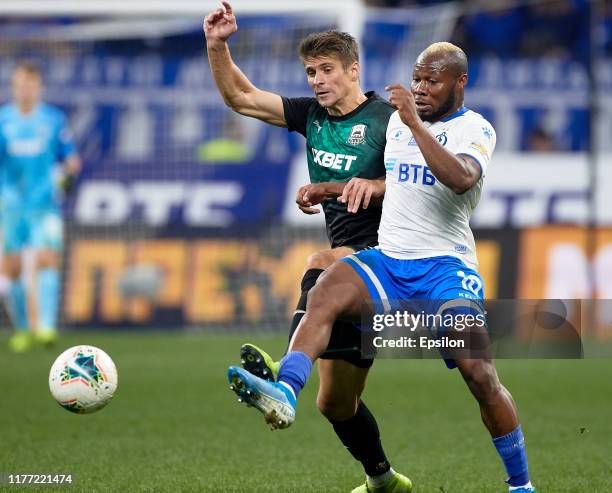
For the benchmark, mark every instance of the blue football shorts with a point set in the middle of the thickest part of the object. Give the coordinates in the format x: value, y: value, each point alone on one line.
x: 39, y: 229
x: 441, y: 285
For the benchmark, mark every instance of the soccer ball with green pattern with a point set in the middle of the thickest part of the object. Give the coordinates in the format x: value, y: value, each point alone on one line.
x: 83, y: 379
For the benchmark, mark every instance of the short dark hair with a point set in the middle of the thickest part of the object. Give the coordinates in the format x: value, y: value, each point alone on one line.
x: 330, y: 43
x: 30, y: 68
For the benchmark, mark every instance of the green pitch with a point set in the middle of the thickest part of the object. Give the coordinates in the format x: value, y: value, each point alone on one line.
x: 174, y: 426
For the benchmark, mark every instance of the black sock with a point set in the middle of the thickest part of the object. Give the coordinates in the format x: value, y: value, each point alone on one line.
x: 361, y: 437
x: 308, y: 281
x: 359, y: 434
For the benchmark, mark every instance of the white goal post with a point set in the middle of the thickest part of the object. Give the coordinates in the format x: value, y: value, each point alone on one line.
x: 134, y: 82
x: 350, y: 14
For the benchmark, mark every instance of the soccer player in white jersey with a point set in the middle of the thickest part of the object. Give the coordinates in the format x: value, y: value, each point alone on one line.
x: 436, y: 157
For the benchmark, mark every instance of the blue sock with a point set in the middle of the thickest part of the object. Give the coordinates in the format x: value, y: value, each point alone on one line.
x: 511, y: 449
x: 17, y: 305
x: 294, y: 370
x: 48, y: 298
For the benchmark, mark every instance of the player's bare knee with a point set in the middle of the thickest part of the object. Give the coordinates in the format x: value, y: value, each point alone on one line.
x: 335, y: 409
x: 319, y: 260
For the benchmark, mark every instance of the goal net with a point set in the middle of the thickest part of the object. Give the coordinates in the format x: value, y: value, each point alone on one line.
x: 183, y: 213
x: 176, y: 217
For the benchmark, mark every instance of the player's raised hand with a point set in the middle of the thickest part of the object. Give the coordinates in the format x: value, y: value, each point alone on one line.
x: 403, y: 100
x: 220, y: 24
x: 358, y: 192
x: 309, y: 195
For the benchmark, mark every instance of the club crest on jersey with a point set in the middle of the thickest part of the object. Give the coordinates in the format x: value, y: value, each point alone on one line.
x: 357, y: 135
x: 442, y: 138
x: 470, y: 282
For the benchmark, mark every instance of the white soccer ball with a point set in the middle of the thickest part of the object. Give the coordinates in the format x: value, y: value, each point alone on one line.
x: 83, y: 379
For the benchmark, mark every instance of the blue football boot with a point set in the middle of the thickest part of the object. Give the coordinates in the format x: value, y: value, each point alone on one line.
x: 529, y: 489
x: 274, y: 400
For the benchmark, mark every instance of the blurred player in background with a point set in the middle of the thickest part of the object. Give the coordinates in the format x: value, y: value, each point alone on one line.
x: 436, y: 157
x: 34, y: 139
x: 345, y: 138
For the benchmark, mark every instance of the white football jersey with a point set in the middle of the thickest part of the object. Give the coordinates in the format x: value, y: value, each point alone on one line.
x: 422, y: 217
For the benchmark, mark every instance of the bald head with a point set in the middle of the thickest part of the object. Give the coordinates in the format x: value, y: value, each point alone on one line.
x: 444, y: 56
x: 439, y: 77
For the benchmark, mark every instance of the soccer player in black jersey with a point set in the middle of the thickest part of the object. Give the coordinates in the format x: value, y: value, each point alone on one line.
x: 345, y: 138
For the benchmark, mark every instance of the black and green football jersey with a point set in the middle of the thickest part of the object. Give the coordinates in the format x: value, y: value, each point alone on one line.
x: 340, y: 148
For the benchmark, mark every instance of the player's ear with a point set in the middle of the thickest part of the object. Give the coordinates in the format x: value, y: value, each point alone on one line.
x: 354, y: 70
x: 463, y: 80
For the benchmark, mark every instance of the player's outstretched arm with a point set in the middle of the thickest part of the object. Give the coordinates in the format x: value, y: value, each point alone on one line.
x: 313, y: 194
x: 459, y: 173
x: 356, y: 193
x: 236, y: 89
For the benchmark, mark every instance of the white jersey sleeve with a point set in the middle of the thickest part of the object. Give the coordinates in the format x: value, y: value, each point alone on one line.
x: 422, y: 217
x: 477, y: 141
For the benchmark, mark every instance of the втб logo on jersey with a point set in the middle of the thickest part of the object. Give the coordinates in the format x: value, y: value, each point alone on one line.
x: 415, y: 173
x: 332, y: 160
x: 357, y: 135
x: 411, y: 173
